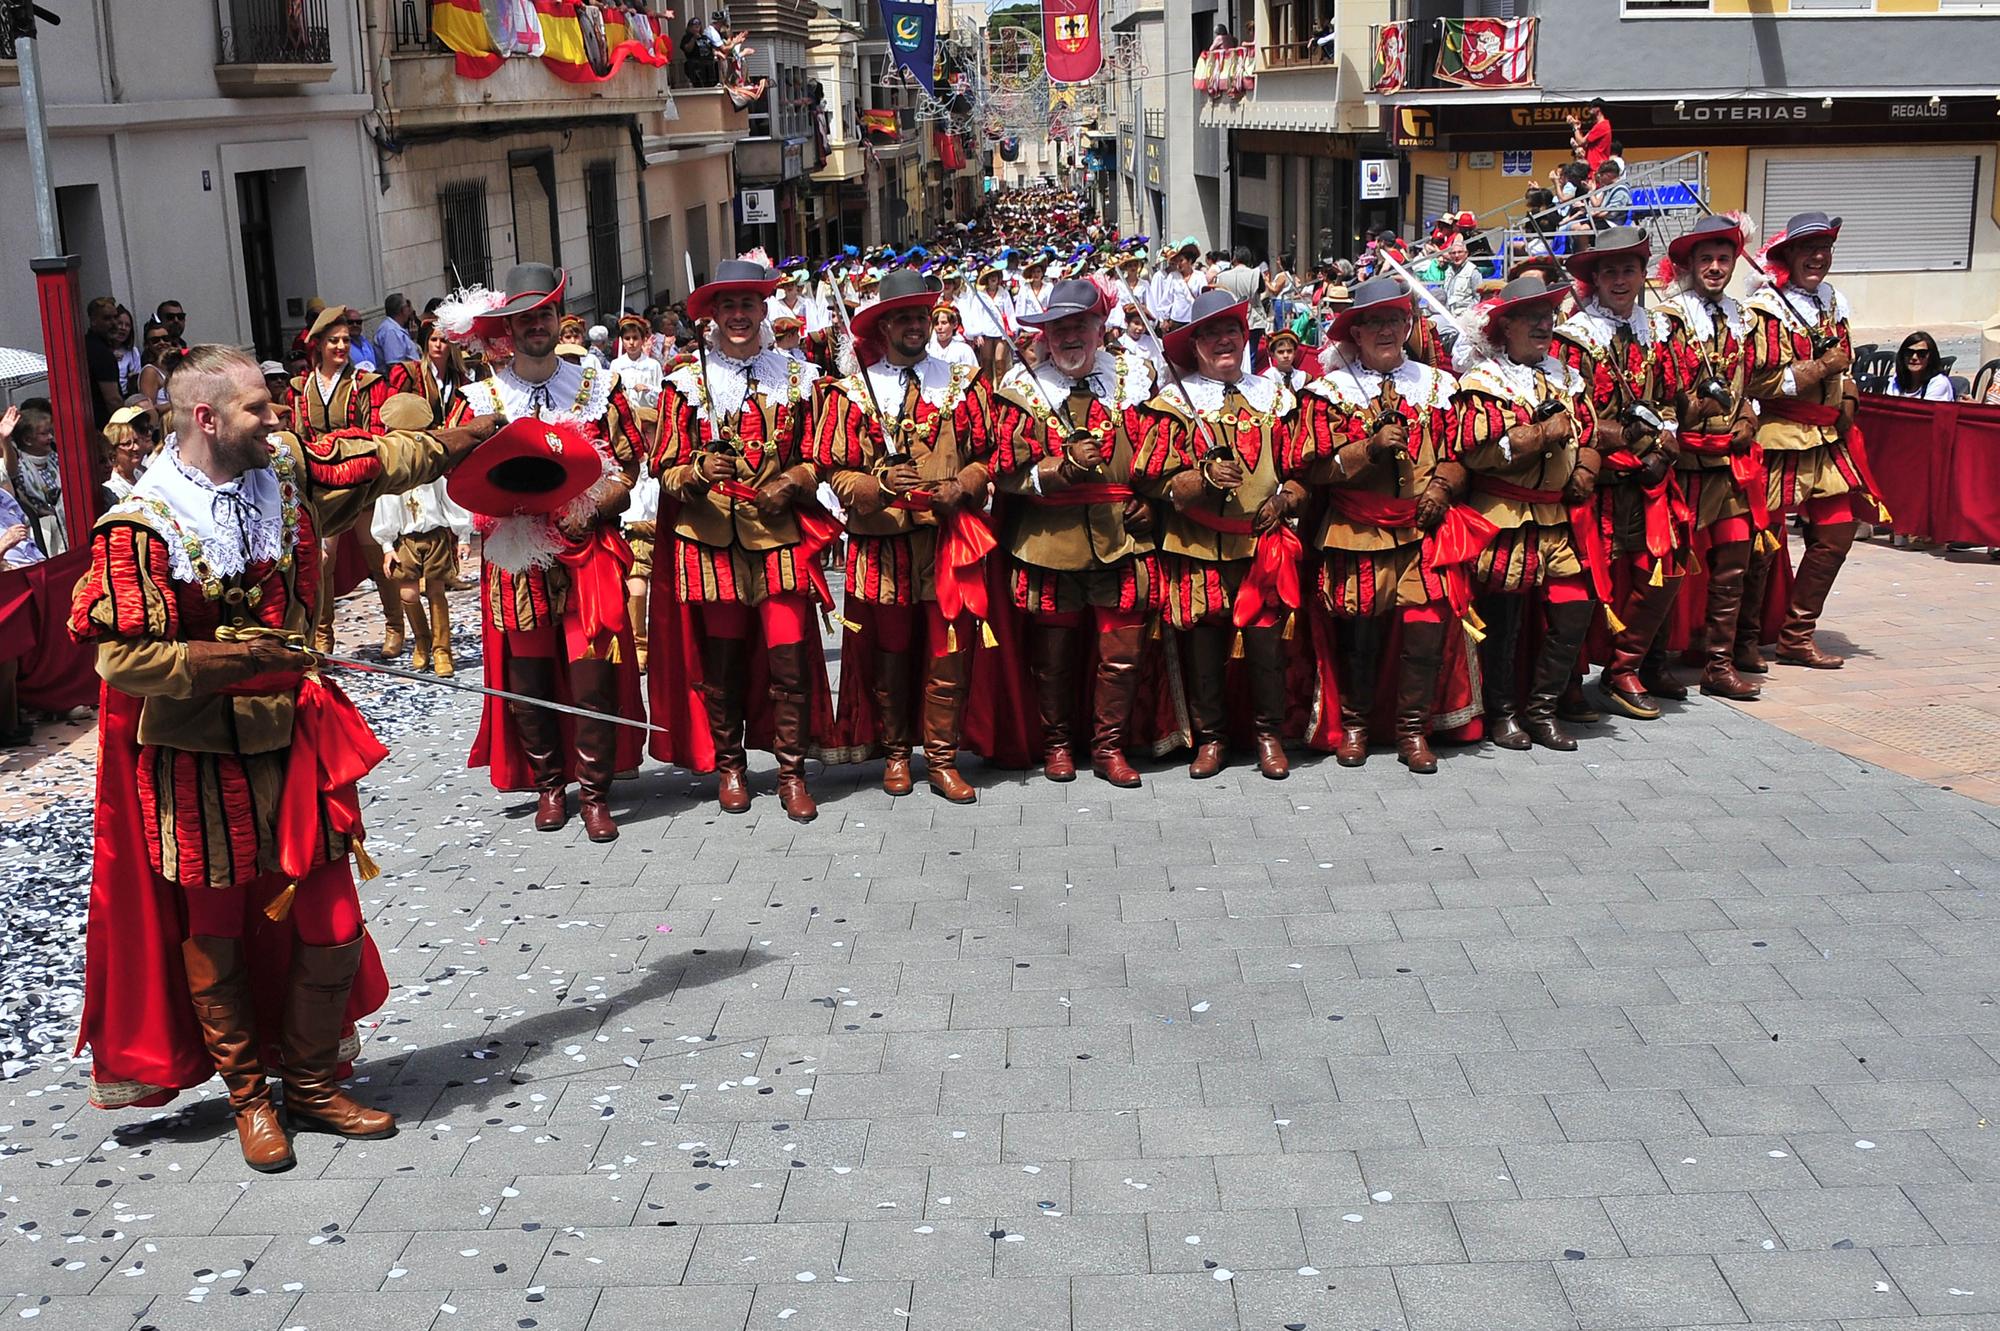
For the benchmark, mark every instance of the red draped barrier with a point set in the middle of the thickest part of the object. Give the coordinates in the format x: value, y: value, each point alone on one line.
x: 1938, y: 464
x: 57, y: 672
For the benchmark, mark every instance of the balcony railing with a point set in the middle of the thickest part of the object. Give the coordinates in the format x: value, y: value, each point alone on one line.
x: 273, y: 32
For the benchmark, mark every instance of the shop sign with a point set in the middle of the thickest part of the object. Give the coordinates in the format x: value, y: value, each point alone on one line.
x: 1379, y: 178
x: 1742, y: 113
x: 759, y: 207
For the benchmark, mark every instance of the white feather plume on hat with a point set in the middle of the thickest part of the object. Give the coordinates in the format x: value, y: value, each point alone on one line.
x: 458, y: 314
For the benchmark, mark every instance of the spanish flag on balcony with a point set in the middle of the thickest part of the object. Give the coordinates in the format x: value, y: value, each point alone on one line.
x: 880, y: 126
x: 460, y: 25
x: 626, y: 34
x: 562, y: 38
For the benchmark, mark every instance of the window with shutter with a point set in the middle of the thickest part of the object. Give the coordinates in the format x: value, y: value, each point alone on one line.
x: 1907, y: 214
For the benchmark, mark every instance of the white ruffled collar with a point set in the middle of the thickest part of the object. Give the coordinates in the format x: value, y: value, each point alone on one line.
x: 1105, y: 372
x: 1206, y: 394
x: 1699, y: 312
x: 227, y: 527
x: 1350, y: 382
x: 1517, y: 382
x: 578, y: 394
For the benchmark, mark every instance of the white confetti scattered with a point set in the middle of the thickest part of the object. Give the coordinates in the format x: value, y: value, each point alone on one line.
x: 1223, y: 1273
x: 1864, y: 1145
x: 1309, y: 1270
x: 1192, y: 1239
x: 1353, y: 1218
x: 1383, y: 1196
x: 1200, y: 1007
x: 805, y: 1277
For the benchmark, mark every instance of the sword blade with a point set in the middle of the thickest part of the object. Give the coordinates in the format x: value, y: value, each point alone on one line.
x: 395, y: 672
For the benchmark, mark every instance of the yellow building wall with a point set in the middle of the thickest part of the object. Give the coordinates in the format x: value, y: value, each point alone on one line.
x: 1488, y: 191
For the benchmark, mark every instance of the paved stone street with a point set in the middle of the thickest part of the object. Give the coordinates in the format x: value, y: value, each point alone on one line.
x: 1695, y: 1027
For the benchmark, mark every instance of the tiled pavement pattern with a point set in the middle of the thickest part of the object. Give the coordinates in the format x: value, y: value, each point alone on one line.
x: 1692, y: 1028
x: 1920, y: 693
x: 1549, y: 1042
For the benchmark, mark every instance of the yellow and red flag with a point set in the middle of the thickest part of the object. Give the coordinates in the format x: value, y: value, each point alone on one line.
x: 460, y: 25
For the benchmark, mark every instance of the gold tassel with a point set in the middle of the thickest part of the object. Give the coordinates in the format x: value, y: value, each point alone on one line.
x: 281, y: 905
x: 849, y: 625
x: 1474, y: 625
x: 1291, y: 627
x: 1236, y: 647
x: 1883, y: 510
x: 1767, y: 542
x: 1656, y: 578
x: 986, y: 638
x: 951, y: 637
x: 615, y: 654
x: 364, y: 863
x: 1611, y: 619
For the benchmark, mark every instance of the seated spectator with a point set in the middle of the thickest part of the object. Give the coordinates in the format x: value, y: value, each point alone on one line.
x: 1920, y: 372
x: 28, y: 443
x: 1611, y: 204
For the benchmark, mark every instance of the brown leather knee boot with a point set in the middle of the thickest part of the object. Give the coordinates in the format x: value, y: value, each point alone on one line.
x: 315, y: 1017
x: 1416, y: 690
x: 1646, y: 611
x: 1208, y: 663
x: 1112, y: 694
x: 1727, y: 567
x: 540, y: 737
x: 595, y: 685
x: 788, y: 724
x: 722, y: 662
x: 218, y: 980
x: 1827, y: 544
x: 1055, y: 694
x: 891, y: 686
x: 1264, y: 653
x: 1359, y: 639
x: 1568, y: 622
x: 944, y: 714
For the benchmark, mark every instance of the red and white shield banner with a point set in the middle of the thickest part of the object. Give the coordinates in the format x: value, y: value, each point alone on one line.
x: 1072, y: 42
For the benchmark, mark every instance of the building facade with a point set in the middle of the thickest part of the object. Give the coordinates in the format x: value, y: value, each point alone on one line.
x: 213, y: 152
x: 1881, y: 112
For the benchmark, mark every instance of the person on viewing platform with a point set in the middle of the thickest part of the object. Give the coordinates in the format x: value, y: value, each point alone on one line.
x: 1920, y: 372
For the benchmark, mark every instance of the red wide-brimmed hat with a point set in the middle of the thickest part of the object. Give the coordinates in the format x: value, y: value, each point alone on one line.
x: 731, y: 275
x: 527, y: 466
x: 1210, y: 307
x: 1719, y: 227
x: 1518, y: 296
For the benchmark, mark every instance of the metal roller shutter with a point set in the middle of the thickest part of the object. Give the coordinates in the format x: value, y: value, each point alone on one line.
x: 1433, y: 200
x: 1899, y: 214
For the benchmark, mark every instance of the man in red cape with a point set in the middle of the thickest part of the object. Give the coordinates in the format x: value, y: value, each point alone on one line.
x: 1080, y: 539
x: 226, y: 805
x: 1212, y: 450
x: 904, y: 441
x: 1394, y: 546
x: 742, y: 577
x: 1816, y: 465
x: 556, y: 622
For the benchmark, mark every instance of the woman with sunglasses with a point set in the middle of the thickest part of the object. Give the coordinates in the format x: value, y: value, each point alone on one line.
x: 157, y: 351
x: 1920, y: 371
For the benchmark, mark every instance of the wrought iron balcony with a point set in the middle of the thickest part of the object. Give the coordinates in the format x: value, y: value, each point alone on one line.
x: 271, y: 45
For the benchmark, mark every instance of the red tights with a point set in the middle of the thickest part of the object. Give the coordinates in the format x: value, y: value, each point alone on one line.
x: 326, y: 912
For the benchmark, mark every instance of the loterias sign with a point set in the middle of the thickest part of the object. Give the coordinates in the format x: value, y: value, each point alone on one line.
x: 1742, y: 113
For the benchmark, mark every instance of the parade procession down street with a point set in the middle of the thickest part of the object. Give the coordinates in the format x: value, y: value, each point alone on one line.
x: 915, y: 665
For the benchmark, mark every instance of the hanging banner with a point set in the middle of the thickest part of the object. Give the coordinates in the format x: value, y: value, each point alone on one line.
x: 461, y: 26
x: 912, y: 29
x: 1073, y: 48
x: 1392, y: 57
x: 1486, y: 52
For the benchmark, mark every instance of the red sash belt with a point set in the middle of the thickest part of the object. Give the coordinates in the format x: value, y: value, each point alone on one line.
x: 1666, y: 508
x: 1274, y: 564
x: 1083, y: 496
x: 1447, y: 552
x: 332, y: 748
x: 965, y: 538
x: 597, y: 569
x: 817, y: 532
x: 1818, y: 413
x: 1747, y: 469
x: 1583, y: 526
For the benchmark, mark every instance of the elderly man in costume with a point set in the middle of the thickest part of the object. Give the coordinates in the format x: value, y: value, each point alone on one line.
x: 1800, y: 352
x: 1212, y: 450
x: 1624, y: 351
x: 1721, y: 464
x: 1372, y: 436
x: 226, y: 803
x: 744, y: 556
x: 904, y: 442
x: 1080, y: 539
x: 553, y: 594
x: 1525, y: 429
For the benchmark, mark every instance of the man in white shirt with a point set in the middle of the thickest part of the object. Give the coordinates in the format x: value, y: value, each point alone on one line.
x: 1175, y: 287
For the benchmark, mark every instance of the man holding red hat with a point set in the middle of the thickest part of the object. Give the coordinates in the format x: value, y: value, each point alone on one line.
x: 1212, y: 449
x: 1371, y: 436
x: 556, y: 623
x: 904, y: 442
x: 1800, y: 352
x: 1624, y: 351
x: 226, y: 805
x: 1721, y: 465
x: 1080, y: 539
x: 1525, y: 429
x: 739, y: 498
